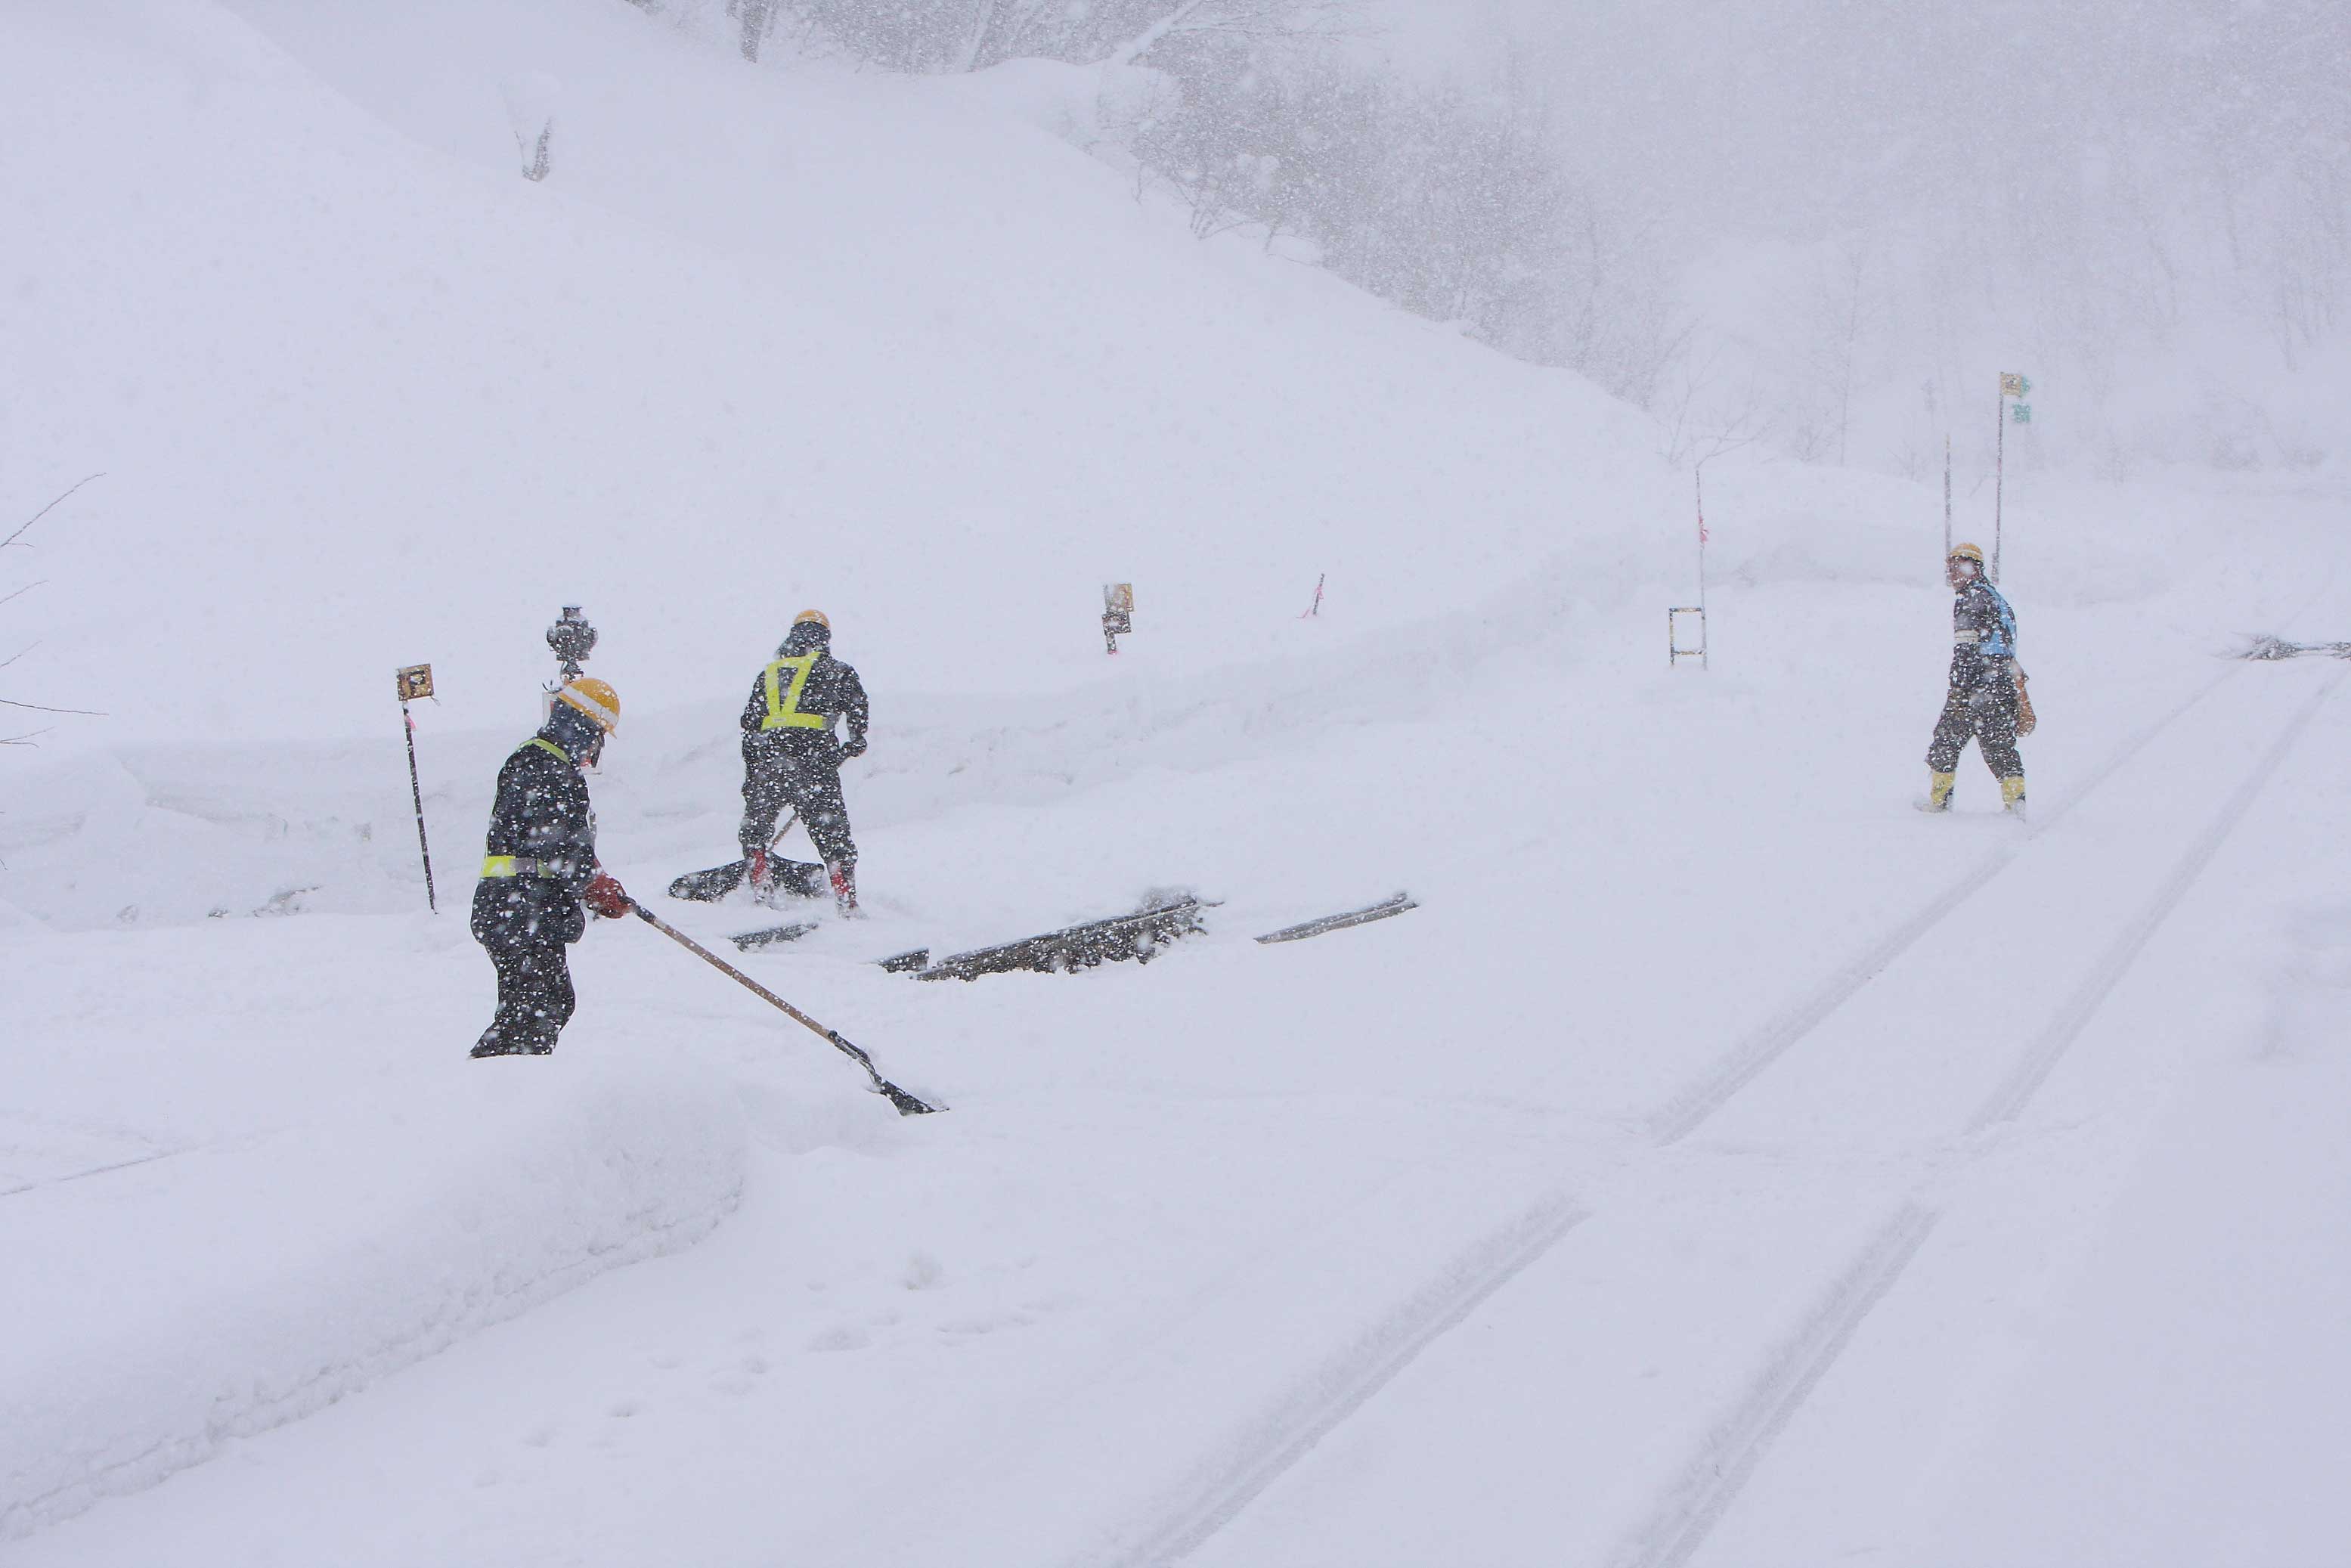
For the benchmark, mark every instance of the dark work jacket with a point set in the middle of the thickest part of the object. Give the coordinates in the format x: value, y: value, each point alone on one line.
x: 832, y: 692
x: 541, y: 813
x: 1983, y: 637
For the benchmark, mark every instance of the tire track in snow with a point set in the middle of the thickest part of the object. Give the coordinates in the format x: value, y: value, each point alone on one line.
x: 1691, y: 1108
x: 2041, y: 1058
x: 1220, y: 1487
x: 145, y: 1159
x: 1714, y: 1479
x: 1716, y: 1476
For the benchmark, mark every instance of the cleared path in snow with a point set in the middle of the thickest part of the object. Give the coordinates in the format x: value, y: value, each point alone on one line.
x: 1689, y: 1109
x: 2123, y: 1345
x: 1865, y: 1120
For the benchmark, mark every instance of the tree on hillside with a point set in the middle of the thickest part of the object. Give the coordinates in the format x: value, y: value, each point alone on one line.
x: 1834, y: 316
x: 972, y: 35
x: 1454, y: 201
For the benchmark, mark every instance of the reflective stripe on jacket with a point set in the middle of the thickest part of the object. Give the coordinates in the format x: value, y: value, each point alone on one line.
x: 524, y: 865
x: 540, y: 850
x: 796, y: 703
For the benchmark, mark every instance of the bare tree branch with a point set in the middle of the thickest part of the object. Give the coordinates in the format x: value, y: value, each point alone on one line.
x: 45, y: 511
x: 27, y: 738
x: 1694, y: 425
x: 1134, y: 49
x: 37, y: 708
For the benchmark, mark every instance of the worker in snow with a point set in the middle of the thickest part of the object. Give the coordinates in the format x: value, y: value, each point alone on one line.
x: 539, y: 868
x: 790, y: 758
x: 1986, y: 703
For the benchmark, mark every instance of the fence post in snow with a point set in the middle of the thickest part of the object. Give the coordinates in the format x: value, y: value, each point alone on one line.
x: 1698, y: 484
x: 1675, y: 652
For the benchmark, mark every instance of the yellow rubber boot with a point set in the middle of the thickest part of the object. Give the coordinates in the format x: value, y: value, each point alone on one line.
x: 1938, y: 792
x: 2012, y: 794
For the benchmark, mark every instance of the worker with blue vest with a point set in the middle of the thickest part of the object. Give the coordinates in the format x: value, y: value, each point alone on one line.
x: 790, y: 756
x: 1986, y: 702
x: 538, y: 867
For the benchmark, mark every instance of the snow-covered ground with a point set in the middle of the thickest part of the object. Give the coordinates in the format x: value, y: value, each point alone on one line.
x: 1724, y: 1165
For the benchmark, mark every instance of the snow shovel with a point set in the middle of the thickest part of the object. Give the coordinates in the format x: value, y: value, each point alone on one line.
x: 907, y: 1105
x: 709, y: 886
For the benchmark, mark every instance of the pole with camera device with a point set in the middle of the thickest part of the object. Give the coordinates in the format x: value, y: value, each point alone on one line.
x: 573, y: 640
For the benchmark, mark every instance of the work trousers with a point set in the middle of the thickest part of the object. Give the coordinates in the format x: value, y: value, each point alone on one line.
x: 1985, y: 715
x: 808, y: 785
x: 535, y: 999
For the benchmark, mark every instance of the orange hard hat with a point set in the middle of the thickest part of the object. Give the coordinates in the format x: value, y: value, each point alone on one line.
x: 596, y: 699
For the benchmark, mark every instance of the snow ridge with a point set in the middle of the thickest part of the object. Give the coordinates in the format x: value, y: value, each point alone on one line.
x: 257, y: 1282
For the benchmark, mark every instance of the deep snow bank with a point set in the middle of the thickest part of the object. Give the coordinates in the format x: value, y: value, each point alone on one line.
x: 150, y: 1313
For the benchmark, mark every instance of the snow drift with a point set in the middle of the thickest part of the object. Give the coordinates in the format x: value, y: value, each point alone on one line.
x: 239, y: 1285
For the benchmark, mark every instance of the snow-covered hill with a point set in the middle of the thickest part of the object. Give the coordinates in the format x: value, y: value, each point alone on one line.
x: 1723, y: 1164
x: 362, y: 402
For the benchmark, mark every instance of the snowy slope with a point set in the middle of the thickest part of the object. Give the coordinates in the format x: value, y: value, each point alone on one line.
x: 361, y: 403
x: 1659, y: 1191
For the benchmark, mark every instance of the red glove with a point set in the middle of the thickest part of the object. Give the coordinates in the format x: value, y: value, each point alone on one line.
x: 605, y: 896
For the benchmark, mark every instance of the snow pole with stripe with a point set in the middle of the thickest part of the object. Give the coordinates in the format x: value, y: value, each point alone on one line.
x: 416, y: 681
x: 1946, y: 498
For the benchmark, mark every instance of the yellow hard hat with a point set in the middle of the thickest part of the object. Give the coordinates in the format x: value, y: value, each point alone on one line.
x: 807, y: 616
x: 596, y: 700
x: 1968, y: 552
